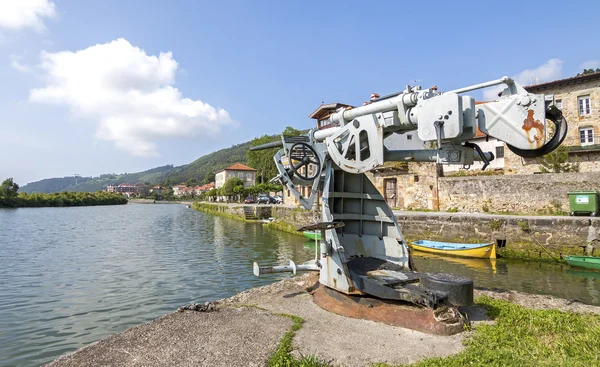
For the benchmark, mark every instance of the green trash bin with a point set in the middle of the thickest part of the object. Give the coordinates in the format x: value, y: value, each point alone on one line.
x: 584, y: 202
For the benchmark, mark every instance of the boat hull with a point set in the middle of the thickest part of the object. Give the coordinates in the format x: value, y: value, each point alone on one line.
x: 312, y: 235
x: 480, y: 251
x: 588, y: 262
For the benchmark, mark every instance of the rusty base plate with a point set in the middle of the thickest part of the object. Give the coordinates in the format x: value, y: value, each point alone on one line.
x: 441, y: 321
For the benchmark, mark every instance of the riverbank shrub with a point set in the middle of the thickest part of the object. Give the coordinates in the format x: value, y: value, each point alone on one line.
x: 10, y: 198
x: 62, y: 199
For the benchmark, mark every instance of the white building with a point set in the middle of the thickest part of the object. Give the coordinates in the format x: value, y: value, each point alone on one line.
x: 245, y: 173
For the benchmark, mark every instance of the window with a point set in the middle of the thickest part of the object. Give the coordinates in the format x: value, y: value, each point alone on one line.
x: 586, y: 135
x: 584, y: 105
x: 559, y: 104
x: 416, y: 178
x: 408, y: 137
x: 500, y: 152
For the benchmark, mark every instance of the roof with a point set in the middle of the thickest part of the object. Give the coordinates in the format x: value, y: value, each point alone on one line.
x: 237, y: 167
x: 326, y: 109
x: 561, y: 82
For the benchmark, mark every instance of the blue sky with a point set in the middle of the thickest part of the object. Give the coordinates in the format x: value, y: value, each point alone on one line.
x: 83, y: 88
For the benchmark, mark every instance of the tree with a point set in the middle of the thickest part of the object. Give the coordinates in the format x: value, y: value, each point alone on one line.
x: 210, y: 177
x: 589, y: 71
x: 191, y: 182
x: 557, y: 161
x: 262, y: 160
x: 228, y: 188
x: 8, y: 193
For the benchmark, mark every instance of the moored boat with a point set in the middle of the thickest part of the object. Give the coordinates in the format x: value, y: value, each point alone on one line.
x: 478, y: 250
x: 312, y: 235
x: 588, y: 262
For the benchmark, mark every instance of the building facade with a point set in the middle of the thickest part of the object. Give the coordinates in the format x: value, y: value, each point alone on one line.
x: 579, y: 99
x: 245, y: 173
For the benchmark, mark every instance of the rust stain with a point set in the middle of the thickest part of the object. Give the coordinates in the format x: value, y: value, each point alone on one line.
x: 530, y: 123
x: 443, y: 321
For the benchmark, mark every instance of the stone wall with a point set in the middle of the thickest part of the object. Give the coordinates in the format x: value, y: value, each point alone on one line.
x: 416, y: 186
x: 549, y: 238
x: 523, y: 194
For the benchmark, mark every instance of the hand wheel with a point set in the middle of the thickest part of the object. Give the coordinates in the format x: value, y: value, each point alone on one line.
x: 305, y: 155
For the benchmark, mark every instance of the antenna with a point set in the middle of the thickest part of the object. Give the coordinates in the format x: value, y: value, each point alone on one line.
x: 77, y: 175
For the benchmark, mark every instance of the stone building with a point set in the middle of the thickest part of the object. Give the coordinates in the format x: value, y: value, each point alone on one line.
x: 245, y: 173
x: 579, y: 99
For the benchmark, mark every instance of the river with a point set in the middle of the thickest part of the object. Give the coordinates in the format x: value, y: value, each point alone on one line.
x: 71, y: 276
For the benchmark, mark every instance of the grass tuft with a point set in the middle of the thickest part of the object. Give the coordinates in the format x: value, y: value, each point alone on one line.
x: 283, y: 357
x: 524, y: 337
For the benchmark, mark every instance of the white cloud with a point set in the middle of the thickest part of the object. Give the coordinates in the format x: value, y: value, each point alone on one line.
x: 15, y: 62
x: 129, y: 93
x: 548, y: 71
x: 591, y: 64
x: 20, y: 14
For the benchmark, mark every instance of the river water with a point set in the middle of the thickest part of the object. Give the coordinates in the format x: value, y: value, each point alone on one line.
x: 71, y: 276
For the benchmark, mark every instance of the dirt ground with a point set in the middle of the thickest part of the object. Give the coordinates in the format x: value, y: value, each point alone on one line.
x: 236, y: 335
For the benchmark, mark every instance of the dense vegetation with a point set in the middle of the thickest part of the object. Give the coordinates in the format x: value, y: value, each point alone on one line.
x: 262, y: 160
x: 234, y: 190
x: 203, y: 169
x: 10, y: 198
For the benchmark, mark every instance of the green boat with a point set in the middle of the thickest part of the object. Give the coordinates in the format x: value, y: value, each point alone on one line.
x: 589, y: 262
x: 312, y: 235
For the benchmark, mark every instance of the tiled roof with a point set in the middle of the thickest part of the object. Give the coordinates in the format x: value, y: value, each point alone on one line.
x: 324, y: 109
x: 573, y: 80
x: 239, y: 167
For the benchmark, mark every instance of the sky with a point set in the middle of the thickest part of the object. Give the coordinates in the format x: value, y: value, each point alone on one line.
x: 112, y: 86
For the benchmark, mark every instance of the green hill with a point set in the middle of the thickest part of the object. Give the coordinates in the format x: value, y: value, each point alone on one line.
x: 90, y: 184
x: 202, y: 169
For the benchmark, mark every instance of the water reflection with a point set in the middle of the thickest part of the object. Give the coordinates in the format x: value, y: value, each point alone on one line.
x: 70, y: 276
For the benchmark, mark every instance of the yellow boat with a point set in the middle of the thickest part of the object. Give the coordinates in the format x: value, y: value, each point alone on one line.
x: 478, y: 250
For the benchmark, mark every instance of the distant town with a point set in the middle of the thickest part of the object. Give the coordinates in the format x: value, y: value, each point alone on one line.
x: 185, y: 190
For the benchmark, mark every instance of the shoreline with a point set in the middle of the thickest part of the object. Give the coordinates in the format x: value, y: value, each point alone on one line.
x: 537, y: 238
x: 249, y: 328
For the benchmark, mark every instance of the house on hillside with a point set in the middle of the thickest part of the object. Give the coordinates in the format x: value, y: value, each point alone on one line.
x: 179, y: 190
x: 245, y: 173
x: 579, y: 99
x: 125, y: 189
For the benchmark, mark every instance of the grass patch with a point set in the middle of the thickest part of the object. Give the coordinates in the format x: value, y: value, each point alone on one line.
x: 283, y: 357
x: 524, y: 337
x: 495, y: 224
x: 283, y: 226
x: 524, y: 225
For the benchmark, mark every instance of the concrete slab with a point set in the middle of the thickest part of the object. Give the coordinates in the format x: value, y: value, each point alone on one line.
x: 341, y: 340
x: 226, y: 337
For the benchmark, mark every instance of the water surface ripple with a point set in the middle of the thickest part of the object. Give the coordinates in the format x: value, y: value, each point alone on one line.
x: 71, y: 276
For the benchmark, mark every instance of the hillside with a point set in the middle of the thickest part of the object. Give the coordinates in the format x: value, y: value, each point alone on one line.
x: 202, y: 169
x: 90, y: 184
